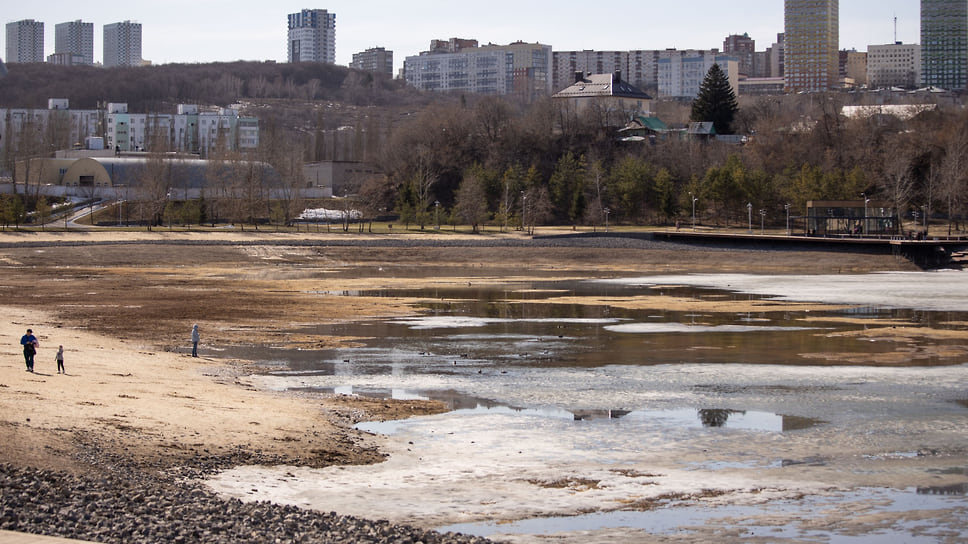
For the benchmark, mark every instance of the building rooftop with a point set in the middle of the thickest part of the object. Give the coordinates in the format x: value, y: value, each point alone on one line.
x: 599, y: 85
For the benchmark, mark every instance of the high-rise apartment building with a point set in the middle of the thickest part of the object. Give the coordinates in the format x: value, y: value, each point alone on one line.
x: 25, y: 41
x: 75, y: 39
x: 520, y: 69
x: 811, y: 48
x: 376, y: 59
x: 681, y: 72
x: 312, y: 36
x: 944, y: 43
x: 122, y: 44
x: 743, y: 48
x: 565, y: 64
x: 893, y: 65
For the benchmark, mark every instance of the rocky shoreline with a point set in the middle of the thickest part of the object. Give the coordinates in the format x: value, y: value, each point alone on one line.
x: 127, y: 507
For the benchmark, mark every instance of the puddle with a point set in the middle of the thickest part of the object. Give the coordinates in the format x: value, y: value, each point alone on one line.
x: 769, y: 521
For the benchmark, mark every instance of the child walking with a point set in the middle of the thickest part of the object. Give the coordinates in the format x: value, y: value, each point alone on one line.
x: 60, y: 360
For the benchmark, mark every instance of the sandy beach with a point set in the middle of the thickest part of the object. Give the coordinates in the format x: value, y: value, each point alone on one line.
x: 122, y: 305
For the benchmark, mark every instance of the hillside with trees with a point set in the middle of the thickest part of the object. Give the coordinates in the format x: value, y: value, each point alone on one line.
x: 496, y: 160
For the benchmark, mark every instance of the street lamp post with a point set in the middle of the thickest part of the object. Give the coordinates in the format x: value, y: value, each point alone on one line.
x: 694, y: 199
x: 120, y: 202
x: 749, y: 213
x: 524, y: 208
x: 762, y: 221
x: 437, y: 214
x: 607, y: 211
x: 866, y: 200
x: 787, y: 206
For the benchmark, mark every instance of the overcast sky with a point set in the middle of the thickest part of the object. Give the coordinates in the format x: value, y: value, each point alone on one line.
x: 219, y: 30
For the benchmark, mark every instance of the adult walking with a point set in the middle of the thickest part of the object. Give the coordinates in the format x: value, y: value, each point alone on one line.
x: 30, y: 344
x: 195, y: 339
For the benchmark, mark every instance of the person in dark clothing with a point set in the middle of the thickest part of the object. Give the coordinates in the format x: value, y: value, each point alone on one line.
x: 60, y: 360
x: 30, y: 344
x: 195, y: 339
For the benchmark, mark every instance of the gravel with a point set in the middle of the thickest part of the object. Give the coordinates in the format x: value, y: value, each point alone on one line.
x: 132, y: 507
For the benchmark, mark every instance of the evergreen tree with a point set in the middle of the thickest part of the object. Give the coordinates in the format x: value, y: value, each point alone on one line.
x: 716, y: 101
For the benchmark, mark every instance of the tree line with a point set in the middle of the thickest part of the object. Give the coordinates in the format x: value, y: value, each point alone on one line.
x: 502, y: 163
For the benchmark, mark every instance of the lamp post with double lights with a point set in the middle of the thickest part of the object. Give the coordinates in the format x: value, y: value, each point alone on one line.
x: 787, y: 207
x: 749, y: 218
x: 607, y: 211
x: 762, y: 222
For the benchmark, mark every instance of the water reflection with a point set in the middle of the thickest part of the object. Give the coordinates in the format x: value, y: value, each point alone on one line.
x: 468, y: 405
x: 953, y: 489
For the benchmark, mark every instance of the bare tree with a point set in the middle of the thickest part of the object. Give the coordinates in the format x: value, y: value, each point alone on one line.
x: 471, y: 202
x: 897, y: 181
x: 954, y: 176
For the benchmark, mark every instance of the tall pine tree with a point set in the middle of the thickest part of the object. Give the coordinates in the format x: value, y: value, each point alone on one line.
x: 716, y: 101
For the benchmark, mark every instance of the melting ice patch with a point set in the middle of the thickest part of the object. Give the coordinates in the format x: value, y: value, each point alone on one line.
x: 942, y: 290
x: 653, y: 328
x: 457, y: 322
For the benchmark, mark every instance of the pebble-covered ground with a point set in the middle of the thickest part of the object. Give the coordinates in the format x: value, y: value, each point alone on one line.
x: 127, y: 507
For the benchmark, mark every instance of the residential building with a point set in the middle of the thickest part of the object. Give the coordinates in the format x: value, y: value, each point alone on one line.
x: 376, y: 59
x: 529, y: 66
x: 70, y: 128
x: 522, y: 69
x: 613, y: 99
x: 760, y: 86
x: 944, y: 44
x: 190, y: 130
x: 312, y: 36
x: 643, y: 70
x: 811, y: 48
x: 74, y: 39
x: 761, y: 64
x: 681, y: 73
x: 453, y: 45
x: 25, y: 41
x: 742, y: 48
x: 855, y: 67
x: 65, y: 59
x: 567, y: 63
x: 894, y: 65
x: 777, y: 56
x: 122, y: 44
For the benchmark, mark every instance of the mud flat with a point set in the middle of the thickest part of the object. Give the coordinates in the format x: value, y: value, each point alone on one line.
x: 133, y: 397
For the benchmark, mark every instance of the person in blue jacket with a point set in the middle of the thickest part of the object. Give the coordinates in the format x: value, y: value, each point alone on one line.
x: 30, y: 344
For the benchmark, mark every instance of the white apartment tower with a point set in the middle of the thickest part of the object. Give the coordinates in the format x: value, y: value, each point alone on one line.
x: 122, y: 44
x: 312, y: 36
x: 893, y: 65
x: 25, y: 41
x: 75, y: 38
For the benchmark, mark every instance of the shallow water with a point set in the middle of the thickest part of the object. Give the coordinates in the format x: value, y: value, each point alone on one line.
x: 540, y: 388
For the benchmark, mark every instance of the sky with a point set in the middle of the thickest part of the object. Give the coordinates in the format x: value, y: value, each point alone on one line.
x: 204, y: 31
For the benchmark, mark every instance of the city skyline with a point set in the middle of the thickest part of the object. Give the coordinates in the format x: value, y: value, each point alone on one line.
x: 183, y: 32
